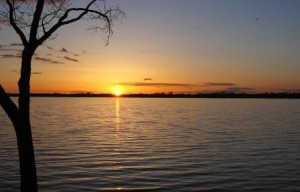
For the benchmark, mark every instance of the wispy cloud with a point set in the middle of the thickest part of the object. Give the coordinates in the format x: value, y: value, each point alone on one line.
x: 48, y: 47
x: 13, y: 49
x: 210, y: 84
x: 148, y: 79
x: 11, y: 45
x: 81, y: 92
x: 7, y: 48
x: 37, y: 73
x: 10, y: 56
x: 43, y: 59
x: 48, y: 60
x: 51, y: 56
x: 144, y: 84
x: 33, y: 73
x: 240, y: 89
x: 56, y: 62
x: 71, y: 59
x: 64, y: 50
x: 16, y: 45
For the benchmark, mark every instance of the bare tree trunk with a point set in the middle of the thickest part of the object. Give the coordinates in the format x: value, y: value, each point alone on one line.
x: 26, y: 156
x: 23, y: 127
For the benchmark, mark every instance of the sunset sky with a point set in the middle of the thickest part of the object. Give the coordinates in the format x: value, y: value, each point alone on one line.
x: 170, y: 45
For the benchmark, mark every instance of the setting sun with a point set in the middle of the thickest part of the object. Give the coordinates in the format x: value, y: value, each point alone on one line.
x: 117, y: 90
x: 117, y: 93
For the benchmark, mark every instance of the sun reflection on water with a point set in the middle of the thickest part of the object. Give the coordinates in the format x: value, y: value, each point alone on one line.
x: 118, y: 119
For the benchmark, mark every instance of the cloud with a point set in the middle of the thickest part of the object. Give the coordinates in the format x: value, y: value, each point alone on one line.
x: 11, y: 47
x: 148, y: 79
x: 10, y: 56
x: 34, y: 73
x: 209, y: 84
x: 240, y: 89
x: 64, y: 50
x: 48, y: 60
x: 141, y: 84
x: 81, y: 92
x: 75, y: 54
x: 56, y: 62
x: 48, y: 47
x: 71, y: 59
x: 43, y: 59
x: 16, y: 45
x: 8, y: 49
x: 37, y: 73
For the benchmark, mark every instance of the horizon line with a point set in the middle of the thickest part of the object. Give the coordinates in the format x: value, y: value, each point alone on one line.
x: 293, y: 95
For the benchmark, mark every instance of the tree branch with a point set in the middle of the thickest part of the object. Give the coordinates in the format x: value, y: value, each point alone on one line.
x: 8, y: 105
x: 14, y: 25
x: 36, y: 20
x: 62, y: 20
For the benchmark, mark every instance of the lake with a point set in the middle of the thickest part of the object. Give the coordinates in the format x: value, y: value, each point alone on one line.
x: 152, y: 144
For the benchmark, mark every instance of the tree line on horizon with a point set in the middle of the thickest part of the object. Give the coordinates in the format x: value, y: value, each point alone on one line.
x: 174, y: 95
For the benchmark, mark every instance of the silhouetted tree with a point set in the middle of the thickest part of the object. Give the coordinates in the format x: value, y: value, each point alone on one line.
x: 36, y: 21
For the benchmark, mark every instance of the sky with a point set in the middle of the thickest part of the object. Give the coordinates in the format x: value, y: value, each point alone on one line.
x: 180, y: 46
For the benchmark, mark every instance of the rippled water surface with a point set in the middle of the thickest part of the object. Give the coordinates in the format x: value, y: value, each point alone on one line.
x: 125, y: 144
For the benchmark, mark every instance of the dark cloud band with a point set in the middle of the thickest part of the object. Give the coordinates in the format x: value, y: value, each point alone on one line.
x: 141, y: 84
x: 218, y: 84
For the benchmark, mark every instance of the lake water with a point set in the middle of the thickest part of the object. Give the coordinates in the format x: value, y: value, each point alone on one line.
x: 127, y: 144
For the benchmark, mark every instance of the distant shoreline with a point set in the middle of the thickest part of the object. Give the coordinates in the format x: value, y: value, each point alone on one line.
x: 173, y: 95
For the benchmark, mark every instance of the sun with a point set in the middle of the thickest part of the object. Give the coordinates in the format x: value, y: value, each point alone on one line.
x: 117, y: 90
x: 117, y: 93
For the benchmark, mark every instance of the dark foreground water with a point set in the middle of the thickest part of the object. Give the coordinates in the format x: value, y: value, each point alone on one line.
x: 109, y: 144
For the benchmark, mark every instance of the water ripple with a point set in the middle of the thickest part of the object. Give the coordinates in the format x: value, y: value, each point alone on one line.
x: 107, y: 144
